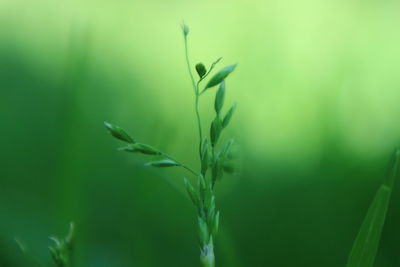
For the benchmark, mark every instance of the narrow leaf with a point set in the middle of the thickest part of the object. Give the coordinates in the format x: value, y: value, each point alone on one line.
x: 366, y: 244
x: 118, y: 132
x: 220, y: 76
x: 163, y: 163
x: 219, y: 97
x: 228, y: 116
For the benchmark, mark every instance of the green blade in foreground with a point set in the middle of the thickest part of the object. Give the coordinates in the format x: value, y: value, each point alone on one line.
x: 366, y: 244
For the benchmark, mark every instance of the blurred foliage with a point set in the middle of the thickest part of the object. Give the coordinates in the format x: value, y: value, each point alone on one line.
x: 316, y: 122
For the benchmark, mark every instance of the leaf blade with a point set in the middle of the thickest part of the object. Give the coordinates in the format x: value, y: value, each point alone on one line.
x: 366, y: 245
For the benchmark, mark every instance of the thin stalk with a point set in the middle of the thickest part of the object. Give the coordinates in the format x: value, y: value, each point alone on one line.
x: 198, y: 120
x: 209, y: 70
x: 188, y: 66
x: 196, y: 92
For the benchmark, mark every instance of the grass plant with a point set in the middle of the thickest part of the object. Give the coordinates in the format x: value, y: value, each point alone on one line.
x: 213, y: 158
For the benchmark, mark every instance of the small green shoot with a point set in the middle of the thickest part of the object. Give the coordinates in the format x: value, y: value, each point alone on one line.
x: 61, y: 252
x: 62, y: 249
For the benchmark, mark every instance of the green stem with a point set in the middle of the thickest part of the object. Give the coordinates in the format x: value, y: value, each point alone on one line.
x: 198, y: 120
x: 196, y: 92
x: 207, y: 257
x: 188, y: 66
x: 209, y: 70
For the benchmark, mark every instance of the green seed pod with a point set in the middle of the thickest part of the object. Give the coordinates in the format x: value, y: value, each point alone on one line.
x: 141, y: 148
x: 215, y: 130
x: 118, y: 132
x: 225, y: 150
x: 204, y: 157
x: 220, y: 76
x: 201, y: 70
x: 214, y: 228
x: 211, y: 212
x: 216, y: 171
x: 185, y: 30
x: 204, y: 236
x: 192, y: 193
x: 202, y: 183
x: 228, y: 116
x: 208, y: 196
x: 163, y: 163
x: 210, y: 219
x: 219, y: 98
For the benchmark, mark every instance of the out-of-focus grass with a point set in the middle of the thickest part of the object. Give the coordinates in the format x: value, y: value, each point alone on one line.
x: 367, y: 242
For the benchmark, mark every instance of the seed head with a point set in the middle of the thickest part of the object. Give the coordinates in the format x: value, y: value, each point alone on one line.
x: 185, y: 29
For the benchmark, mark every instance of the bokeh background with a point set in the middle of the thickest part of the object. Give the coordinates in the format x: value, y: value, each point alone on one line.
x: 317, y: 88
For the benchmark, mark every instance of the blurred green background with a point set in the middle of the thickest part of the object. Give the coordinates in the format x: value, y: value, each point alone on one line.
x: 318, y: 116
